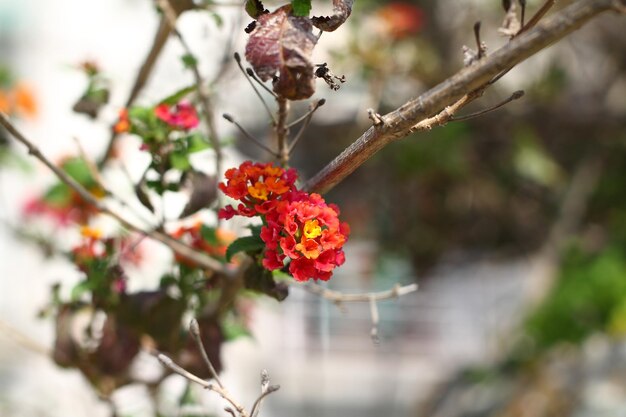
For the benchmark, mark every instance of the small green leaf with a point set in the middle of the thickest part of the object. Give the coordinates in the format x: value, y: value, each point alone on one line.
x: 178, y: 95
x: 209, y: 234
x: 180, y: 161
x: 234, y: 330
x: 58, y: 195
x: 78, y: 169
x: 189, y: 61
x: 219, y: 22
x: 247, y: 244
x: 80, y: 289
x: 254, y: 8
x: 197, y: 143
x: 301, y: 7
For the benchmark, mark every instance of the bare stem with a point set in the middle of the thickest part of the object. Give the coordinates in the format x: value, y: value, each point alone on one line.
x: 515, y: 96
x: 282, y: 130
x: 338, y: 297
x: 307, y: 119
x: 171, y: 365
x: 194, y: 329
x: 248, y: 135
x: 258, y: 93
x: 205, y: 99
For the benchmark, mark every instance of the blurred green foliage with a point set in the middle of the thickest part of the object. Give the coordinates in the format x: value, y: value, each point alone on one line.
x: 590, y: 296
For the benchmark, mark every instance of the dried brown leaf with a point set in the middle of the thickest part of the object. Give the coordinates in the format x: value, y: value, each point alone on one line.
x: 341, y: 12
x: 280, y: 49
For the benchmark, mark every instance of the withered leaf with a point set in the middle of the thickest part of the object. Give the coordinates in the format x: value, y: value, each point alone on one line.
x: 341, y: 12
x: 280, y: 49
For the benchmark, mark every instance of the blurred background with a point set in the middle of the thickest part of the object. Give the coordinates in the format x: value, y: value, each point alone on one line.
x: 512, y: 223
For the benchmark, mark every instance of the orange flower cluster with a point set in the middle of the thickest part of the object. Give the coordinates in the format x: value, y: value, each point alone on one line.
x: 18, y: 100
x: 298, y: 227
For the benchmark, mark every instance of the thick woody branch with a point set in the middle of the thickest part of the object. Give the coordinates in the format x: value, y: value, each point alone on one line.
x: 399, y: 122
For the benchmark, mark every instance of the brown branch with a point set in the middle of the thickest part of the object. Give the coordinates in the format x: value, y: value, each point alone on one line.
x: 399, y: 122
x: 203, y: 260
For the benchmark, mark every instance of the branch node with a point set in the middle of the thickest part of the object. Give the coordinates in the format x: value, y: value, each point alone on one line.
x: 375, y: 117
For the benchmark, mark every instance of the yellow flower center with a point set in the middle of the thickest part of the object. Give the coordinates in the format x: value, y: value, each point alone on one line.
x: 312, y: 229
x: 90, y: 232
x: 259, y: 191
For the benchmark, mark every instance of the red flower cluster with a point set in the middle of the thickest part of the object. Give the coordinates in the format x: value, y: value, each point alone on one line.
x: 183, y: 115
x: 296, y: 225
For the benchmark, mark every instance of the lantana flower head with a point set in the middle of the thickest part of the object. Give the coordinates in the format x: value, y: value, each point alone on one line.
x: 182, y: 115
x: 257, y: 186
x: 309, y: 233
x: 298, y: 227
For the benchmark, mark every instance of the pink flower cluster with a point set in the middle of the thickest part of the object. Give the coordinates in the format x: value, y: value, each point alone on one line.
x: 297, y: 226
x: 182, y: 115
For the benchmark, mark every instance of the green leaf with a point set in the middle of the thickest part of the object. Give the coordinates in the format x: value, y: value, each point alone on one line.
x: 219, y: 22
x: 301, y: 7
x: 178, y: 95
x: 80, y: 289
x: 254, y: 8
x: 180, y: 161
x: 78, y: 169
x: 58, y: 195
x: 209, y: 234
x: 197, y: 143
x: 189, y: 61
x: 233, y: 330
x: 248, y: 244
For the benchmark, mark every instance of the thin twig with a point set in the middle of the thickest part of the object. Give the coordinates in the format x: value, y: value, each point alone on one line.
x: 97, y: 176
x: 171, y: 365
x: 258, y: 93
x: 315, y: 105
x: 266, y: 389
x: 205, y: 100
x: 252, y: 75
x: 249, y: 136
x: 447, y: 113
x: 515, y: 96
x: 180, y: 248
x: 194, y: 329
x: 23, y: 340
x: 282, y: 130
x: 537, y: 16
x: 339, y: 297
x: 375, y: 320
x: 305, y: 124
